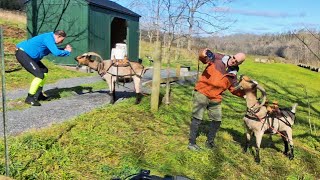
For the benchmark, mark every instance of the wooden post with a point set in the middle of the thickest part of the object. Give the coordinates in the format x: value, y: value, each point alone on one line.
x: 178, y: 69
x: 155, y: 93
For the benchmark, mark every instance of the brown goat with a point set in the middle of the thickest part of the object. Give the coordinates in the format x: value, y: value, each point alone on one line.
x: 259, y: 120
x: 111, y: 70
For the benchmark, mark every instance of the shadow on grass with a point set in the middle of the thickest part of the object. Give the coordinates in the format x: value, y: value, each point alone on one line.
x: 79, y: 90
x: 56, y: 92
x: 47, y: 147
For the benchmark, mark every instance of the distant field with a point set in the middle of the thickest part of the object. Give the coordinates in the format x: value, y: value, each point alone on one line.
x: 16, y: 16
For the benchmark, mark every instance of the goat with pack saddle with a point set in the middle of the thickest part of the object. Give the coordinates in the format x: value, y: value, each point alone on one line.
x: 263, y: 119
x: 114, y: 70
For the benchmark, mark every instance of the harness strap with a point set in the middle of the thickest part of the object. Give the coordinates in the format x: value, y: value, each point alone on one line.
x: 253, y: 117
x: 131, y: 74
x: 260, y: 119
x: 101, y: 70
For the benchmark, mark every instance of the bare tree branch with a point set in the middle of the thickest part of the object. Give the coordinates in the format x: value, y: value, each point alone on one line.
x: 301, y: 40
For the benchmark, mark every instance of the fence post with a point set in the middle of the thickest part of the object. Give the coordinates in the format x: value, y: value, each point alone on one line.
x: 4, y: 109
x: 178, y: 69
x: 155, y: 92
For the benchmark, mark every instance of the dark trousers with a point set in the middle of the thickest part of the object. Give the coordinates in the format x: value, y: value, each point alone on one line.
x: 35, y: 68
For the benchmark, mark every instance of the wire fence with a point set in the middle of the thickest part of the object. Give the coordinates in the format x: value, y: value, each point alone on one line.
x: 3, y: 80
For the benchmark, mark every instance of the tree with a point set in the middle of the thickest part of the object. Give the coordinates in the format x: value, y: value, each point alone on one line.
x: 173, y: 18
x: 200, y: 17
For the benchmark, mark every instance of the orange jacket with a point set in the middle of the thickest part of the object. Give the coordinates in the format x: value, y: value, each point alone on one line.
x: 215, y: 79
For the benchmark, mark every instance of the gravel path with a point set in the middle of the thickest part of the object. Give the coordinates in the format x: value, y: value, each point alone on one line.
x: 57, y: 111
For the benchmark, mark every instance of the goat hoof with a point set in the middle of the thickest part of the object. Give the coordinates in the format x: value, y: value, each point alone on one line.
x: 291, y: 157
x: 245, y: 150
x: 138, y: 98
x: 257, y: 160
x: 138, y: 101
x: 112, y: 101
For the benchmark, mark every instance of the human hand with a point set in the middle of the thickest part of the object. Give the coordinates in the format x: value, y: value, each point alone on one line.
x: 210, y: 55
x: 68, y: 48
x: 204, y: 52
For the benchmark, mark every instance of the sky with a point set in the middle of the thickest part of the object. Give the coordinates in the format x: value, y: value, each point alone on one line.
x: 268, y: 16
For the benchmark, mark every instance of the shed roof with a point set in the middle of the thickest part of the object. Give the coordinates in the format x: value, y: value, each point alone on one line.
x: 109, y: 5
x: 113, y: 6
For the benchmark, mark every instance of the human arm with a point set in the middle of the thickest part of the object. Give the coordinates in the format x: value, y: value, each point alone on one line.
x: 234, y: 88
x: 49, y: 42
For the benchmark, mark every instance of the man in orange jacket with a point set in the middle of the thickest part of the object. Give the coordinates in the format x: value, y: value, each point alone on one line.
x: 218, y: 76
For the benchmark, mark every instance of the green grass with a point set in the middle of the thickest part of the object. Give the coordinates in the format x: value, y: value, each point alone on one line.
x: 119, y: 140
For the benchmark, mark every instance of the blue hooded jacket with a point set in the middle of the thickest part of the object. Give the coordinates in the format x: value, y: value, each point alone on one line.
x: 41, y: 45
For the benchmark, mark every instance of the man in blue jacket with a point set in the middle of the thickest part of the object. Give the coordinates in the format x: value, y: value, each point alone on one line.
x: 29, y: 54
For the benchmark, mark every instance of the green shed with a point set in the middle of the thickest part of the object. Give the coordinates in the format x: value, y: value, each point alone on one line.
x: 91, y: 25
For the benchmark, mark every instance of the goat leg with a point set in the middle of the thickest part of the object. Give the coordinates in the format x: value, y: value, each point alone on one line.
x: 247, y: 142
x: 258, y: 136
x: 112, y: 97
x: 138, y: 98
x: 290, y: 141
x: 257, y: 155
x: 291, y: 155
x: 286, y: 145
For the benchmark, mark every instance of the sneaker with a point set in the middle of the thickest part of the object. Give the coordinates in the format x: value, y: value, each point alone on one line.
x: 210, y: 145
x: 193, y: 147
x: 30, y: 100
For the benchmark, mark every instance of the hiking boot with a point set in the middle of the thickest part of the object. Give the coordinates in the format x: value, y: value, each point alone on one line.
x: 213, y: 129
x: 193, y: 147
x: 31, y: 100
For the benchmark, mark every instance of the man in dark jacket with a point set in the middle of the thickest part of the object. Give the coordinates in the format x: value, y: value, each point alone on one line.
x: 30, y: 52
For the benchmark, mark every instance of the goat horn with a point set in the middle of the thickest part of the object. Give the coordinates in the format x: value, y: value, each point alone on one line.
x: 95, y: 54
x: 264, y: 95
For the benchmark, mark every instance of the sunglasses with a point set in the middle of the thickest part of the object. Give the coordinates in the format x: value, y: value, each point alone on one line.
x: 235, y: 60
